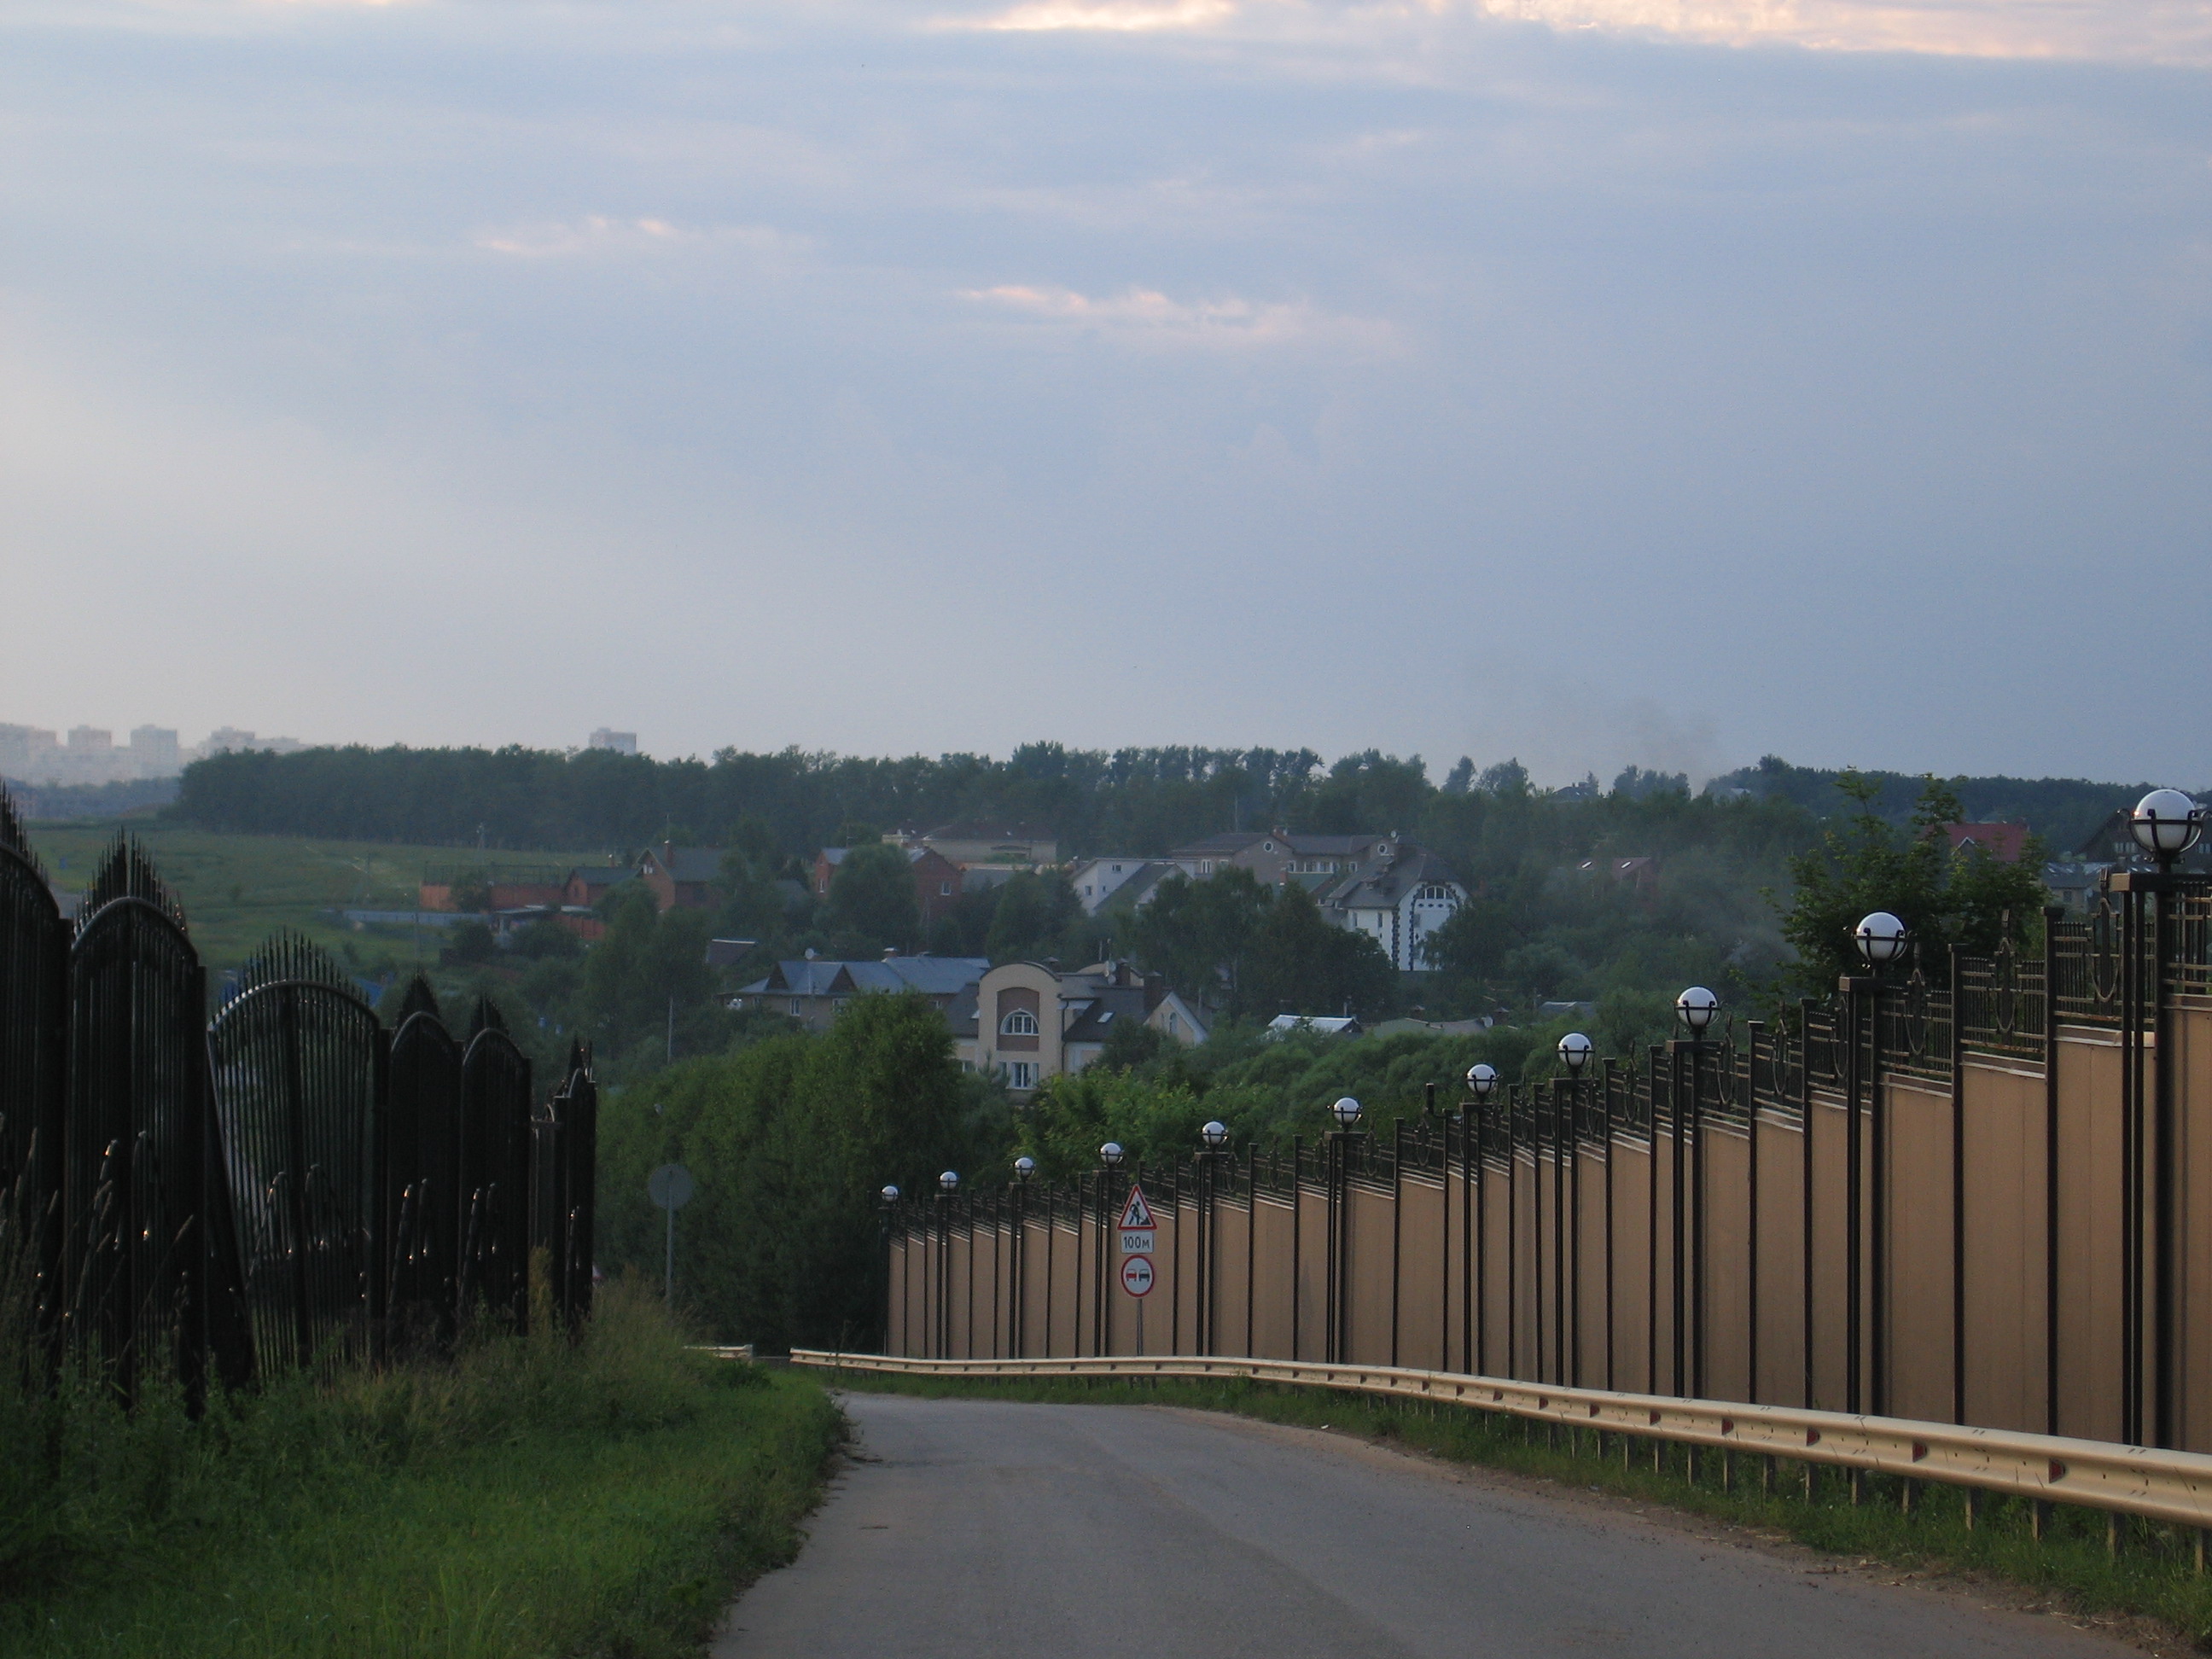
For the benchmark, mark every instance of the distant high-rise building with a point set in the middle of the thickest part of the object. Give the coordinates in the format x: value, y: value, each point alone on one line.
x: 622, y: 743
x: 90, y: 740
x: 226, y: 738
x: 155, y: 753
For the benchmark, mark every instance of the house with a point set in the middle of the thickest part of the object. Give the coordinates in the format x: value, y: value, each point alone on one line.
x: 813, y: 989
x: 1274, y: 855
x: 1098, y: 880
x: 1639, y: 875
x: 511, y: 887
x: 1435, y: 1027
x: 682, y: 877
x: 1027, y: 1021
x: 978, y: 841
x: 938, y: 881
x: 2005, y: 842
x: 588, y: 884
x: 1399, y: 899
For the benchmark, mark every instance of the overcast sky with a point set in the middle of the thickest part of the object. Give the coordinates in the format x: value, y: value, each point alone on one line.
x: 1666, y: 381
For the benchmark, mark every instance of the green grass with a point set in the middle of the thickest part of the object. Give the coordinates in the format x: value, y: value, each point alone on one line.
x: 533, y: 1499
x: 2153, y: 1575
x: 238, y: 890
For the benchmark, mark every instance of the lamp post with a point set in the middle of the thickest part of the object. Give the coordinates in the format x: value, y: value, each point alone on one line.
x: 1345, y: 1113
x: 947, y: 1184
x: 887, y: 1210
x: 1883, y: 939
x: 2166, y: 824
x: 1575, y: 1052
x: 1213, y: 1137
x: 1102, y: 1318
x: 1017, y: 1273
x: 1474, y: 1233
x: 1695, y: 1008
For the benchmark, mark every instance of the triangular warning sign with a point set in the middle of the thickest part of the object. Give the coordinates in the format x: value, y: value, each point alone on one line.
x: 1136, y: 1212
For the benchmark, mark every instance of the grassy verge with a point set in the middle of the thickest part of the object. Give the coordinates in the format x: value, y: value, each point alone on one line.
x: 533, y: 1499
x: 2140, y: 1569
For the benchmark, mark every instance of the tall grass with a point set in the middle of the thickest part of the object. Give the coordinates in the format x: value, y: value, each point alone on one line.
x: 529, y: 1496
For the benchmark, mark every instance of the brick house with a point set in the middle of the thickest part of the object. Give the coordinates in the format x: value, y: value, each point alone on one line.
x: 682, y: 877
x: 936, y: 879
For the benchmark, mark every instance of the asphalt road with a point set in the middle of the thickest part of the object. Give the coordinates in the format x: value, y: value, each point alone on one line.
x: 980, y: 1528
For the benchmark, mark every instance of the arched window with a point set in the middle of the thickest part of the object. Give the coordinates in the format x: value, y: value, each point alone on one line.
x: 1020, y: 1023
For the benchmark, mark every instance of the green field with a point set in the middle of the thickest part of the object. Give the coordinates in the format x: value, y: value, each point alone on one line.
x: 239, y: 890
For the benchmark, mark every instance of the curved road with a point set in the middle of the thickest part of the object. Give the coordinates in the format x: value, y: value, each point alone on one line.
x: 978, y: 1528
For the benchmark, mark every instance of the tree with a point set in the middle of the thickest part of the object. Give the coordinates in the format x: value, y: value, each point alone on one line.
x: 1033, y: 911
x: 1298, y: 963
x: 1866, y: 863
x: 1195, y: 932
x: 648, y: 976
x: 873, y: 894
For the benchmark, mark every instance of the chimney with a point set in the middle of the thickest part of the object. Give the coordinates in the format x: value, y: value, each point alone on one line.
x: 890, y: 951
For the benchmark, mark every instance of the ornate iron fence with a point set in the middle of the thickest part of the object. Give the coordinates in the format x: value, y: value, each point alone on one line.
x: 287, y: 1184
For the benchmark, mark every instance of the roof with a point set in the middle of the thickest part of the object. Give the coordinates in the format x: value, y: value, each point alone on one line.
x: 832, y: 855
x: 1227, y: 843
x: 602, y: 875
x: 1384, y: 884
x: 1139, y: 887
x: 985, y: 830
x: 2004, y: 842
x: 1092, y: 1018
x: 821, y: 976
x: 688, y: 863
x: 1342, y: 846
x: 1326, y: 1024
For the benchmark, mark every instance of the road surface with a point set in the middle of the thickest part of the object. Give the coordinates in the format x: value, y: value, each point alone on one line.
x: 978, y: 1528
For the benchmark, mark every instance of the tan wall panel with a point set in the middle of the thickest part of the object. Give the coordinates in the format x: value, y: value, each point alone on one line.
x: 1367, y: 1282
x: 1425, y: 1276
x: 1493, y: 1350
x: 1919, y: 1336
x: 1632, y: 1232
x: 1726, y: 1268
x: 1781, y: 1263
x: 2005, y: 1226
x: 1310, y: 1329
x: 2089, y: 1244
x: 2193, y: 1082
x: 1828, y: 1129
x: 1271, y: 1296
x: 1590, y: 1279
x: 1659, y: 1268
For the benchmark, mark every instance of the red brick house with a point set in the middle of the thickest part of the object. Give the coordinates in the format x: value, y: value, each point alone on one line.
x: 936, y: 878
x: 682, y: 877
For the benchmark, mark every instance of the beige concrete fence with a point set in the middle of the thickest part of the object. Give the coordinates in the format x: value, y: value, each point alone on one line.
x: 1981, y: 1197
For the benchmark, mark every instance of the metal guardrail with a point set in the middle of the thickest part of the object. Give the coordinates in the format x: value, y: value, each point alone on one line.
x: 2172, y: 1487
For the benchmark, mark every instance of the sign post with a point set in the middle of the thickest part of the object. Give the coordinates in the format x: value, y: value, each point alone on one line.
x: 1138, y: 1230
x: 671, y: 1188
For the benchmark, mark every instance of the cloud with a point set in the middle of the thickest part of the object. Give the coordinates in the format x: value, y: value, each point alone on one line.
x: 1148, y: 315
x: 600, y: 234
x: 2143, y: 31
x: 1106, y: 17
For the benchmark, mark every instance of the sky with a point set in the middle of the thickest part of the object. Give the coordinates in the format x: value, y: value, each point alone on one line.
x: 1591, y: 381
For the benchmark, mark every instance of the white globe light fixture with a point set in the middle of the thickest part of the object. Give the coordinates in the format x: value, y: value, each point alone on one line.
x: 890, y: 1195
x: 1482, y: 1078
x: 1024, y: 1168
x: 2166, y: 824
x: 1111, y: 1154
x: 1881, y: 938
x: 1346, y: 1111
x: 1215, y: 1134
x: 1696, y: 1008
x: 949, y: 1182
x: 1575, y: 1051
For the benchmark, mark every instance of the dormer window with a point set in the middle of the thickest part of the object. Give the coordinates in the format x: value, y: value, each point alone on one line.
x: 1020, y: 1023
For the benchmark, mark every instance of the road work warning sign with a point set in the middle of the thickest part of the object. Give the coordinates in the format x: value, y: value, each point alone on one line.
x: 1138, y: 1228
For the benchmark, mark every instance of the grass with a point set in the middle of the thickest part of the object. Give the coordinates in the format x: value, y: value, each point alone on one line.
x: 238, y: 890
x: 530, y: 1498
x: 1914, y: 1525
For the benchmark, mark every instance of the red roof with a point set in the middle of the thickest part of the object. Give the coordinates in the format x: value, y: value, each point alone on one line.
x: 2004, y: 842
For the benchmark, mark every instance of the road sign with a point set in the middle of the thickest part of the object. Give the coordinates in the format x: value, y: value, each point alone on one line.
x: 670, y: 1186
x: 1138, y: 1241
x: 1136, y: 1214
x: 1137, y: 1275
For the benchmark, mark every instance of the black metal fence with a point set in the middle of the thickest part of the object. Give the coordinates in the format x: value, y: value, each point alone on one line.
x: 288, y: 1183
